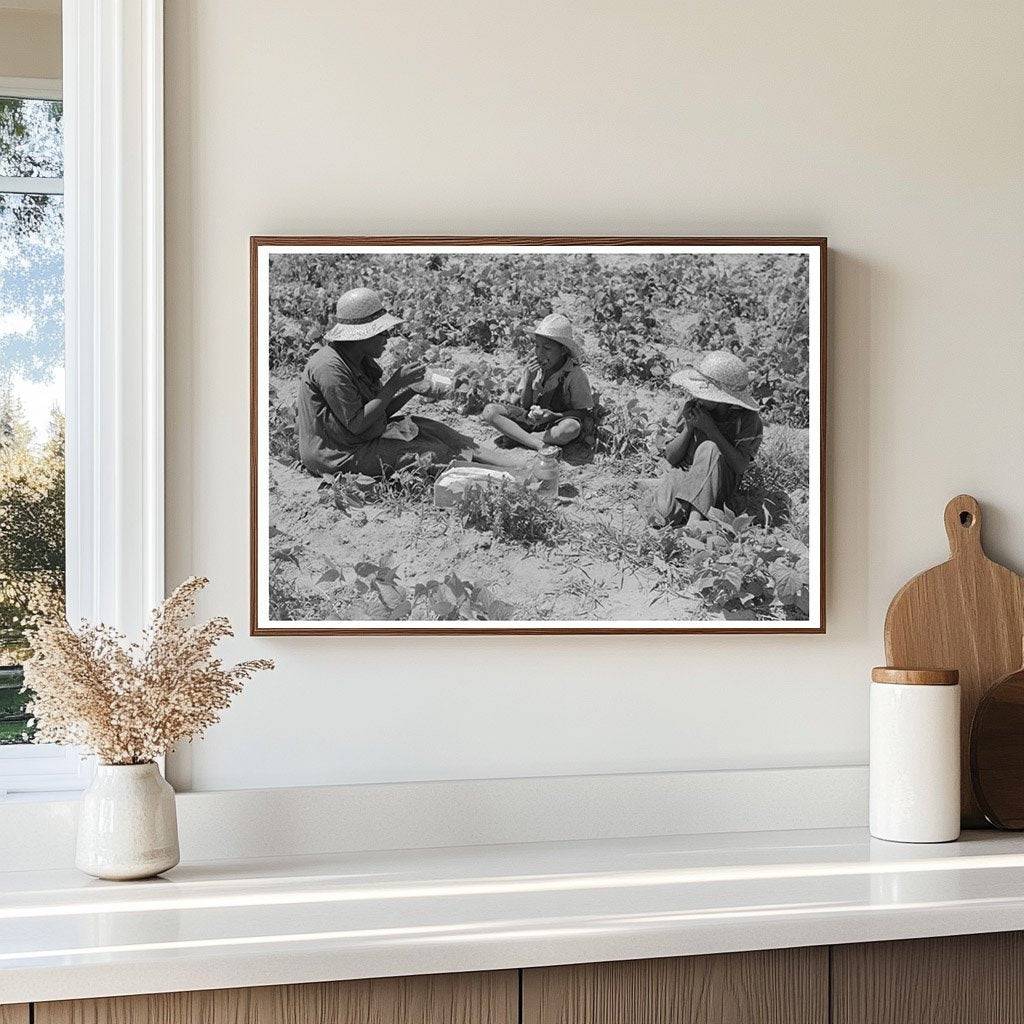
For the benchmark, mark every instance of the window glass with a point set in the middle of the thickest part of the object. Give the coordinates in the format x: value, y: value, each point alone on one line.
x: 31, y: 138
x: 31, y: 388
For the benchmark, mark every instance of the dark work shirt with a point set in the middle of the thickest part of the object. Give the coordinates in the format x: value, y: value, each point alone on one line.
x: 565, y: 389
x: 332, y: 395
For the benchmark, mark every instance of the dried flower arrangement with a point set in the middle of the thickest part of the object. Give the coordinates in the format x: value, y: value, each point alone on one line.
x: 130, y: 703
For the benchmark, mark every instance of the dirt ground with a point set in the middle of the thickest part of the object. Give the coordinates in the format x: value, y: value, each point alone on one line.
x: 597, y: 573
x: 563, y: 582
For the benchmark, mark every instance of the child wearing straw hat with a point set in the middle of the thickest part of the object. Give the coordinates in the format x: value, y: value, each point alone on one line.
x: 346, y: 408
x: 720, y: 432
x: 554, y: 404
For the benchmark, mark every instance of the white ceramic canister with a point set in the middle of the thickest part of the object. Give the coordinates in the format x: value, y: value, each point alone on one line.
x: 127, y: 825
x: 915, y: 755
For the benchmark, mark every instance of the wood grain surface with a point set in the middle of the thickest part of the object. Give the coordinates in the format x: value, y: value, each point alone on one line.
x: 967, y: 614
x: 256, y: 527
x: 779, y: 986
x: 997, y: 752
x: 962, y: 979
x: 915, y: 676
x: 14, y: 1013
x: 480, y: 998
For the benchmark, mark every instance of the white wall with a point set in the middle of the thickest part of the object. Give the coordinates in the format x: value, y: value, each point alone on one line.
x: 30, y: 39
x: 895, y: 129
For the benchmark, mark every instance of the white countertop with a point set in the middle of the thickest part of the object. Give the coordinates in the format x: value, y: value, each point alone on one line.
x: 261, y: 922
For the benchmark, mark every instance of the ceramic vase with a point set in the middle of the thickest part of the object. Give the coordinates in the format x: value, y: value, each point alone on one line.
x: 127, y: 825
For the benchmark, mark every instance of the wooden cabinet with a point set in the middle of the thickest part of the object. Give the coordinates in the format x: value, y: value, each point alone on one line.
x: 962, y: 979
x: 777, y: 986
x: 970, y: 979
x: 491, y: 998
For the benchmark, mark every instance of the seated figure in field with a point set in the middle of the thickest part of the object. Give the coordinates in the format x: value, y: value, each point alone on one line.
x: 720, y: 432
x: 345, y: 406
x: 554, y: 404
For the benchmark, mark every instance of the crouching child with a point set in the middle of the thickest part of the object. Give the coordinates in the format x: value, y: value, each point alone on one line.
x: 554, y: 404
x: 720, y: 432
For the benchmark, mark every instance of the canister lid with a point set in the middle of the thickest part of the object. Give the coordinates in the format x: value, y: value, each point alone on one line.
x: 916, y: 676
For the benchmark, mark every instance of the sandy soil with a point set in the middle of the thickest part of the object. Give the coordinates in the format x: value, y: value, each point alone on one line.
x: 586, y: 577
x: 571, y: 580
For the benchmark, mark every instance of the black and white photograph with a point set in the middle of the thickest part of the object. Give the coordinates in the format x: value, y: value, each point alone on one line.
x: 537, y: 435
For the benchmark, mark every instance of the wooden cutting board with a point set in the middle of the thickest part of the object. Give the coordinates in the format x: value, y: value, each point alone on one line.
x: 967, y: 614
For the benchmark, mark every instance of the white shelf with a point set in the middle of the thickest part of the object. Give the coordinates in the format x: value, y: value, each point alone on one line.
x: 351, y: 915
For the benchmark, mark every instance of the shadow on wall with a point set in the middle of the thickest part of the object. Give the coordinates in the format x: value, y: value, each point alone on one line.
x: 853, y: 287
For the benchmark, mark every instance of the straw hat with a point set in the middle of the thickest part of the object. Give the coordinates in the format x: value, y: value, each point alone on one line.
x: 558, y: 327
x: 361, y: 315
x: 719, y: 377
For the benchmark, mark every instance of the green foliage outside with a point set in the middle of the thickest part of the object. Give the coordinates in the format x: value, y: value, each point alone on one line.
x: 31, y: 349
x: 31, y: 546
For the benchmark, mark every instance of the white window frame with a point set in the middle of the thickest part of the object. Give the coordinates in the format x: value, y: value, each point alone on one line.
x: 114, y: 324
x: 32, y: 88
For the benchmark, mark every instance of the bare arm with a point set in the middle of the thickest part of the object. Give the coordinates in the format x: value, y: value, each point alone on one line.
x: 399, y: 400
x: 676, y: 449
x: 524, y: 398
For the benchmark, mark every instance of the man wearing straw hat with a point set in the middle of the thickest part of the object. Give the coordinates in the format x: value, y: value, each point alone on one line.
x: 720, y: 433
x: 345, y: 405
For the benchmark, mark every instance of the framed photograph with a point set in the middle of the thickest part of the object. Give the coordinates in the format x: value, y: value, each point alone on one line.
x: 537, y: 435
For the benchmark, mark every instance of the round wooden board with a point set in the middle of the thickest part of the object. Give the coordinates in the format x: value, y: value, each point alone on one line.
x: 997, y: 752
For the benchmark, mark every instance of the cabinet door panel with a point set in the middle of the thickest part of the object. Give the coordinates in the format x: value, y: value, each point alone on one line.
x: 960, y: 979
x: 482, y: 998
x: 778, y: 986
x: 14, y: 1013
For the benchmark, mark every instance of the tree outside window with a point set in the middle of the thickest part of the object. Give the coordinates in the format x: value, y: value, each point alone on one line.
x: 31, y: 387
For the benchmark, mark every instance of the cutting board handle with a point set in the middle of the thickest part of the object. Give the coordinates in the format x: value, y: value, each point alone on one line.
x: 963, y: 526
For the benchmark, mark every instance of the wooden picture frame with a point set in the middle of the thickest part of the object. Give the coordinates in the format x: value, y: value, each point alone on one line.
x: 262, y: 247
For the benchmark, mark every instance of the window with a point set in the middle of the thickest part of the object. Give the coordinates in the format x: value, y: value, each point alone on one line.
x: 32, y: 514
x: 108, y: 206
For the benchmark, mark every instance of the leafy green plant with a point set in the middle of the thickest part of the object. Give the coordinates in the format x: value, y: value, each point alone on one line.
x: 644, y: 549
x: 747, y: 571
x: 350, y: 491
x: 411, y: 481
x: 754, y: 305
x: 455, y: 599
x: 475, y: 384
x: 379, y: 580
x: 622, y: 428
x: 800, y: 516
x: 626, y: 431
x: 371, y: 589
x: 511, y: 512
x: 282, y: 428
x: 629, y: 356
x: 779, y: 473
x: 409, y: 350
x: 375, y: 590
x: 32, y: 551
